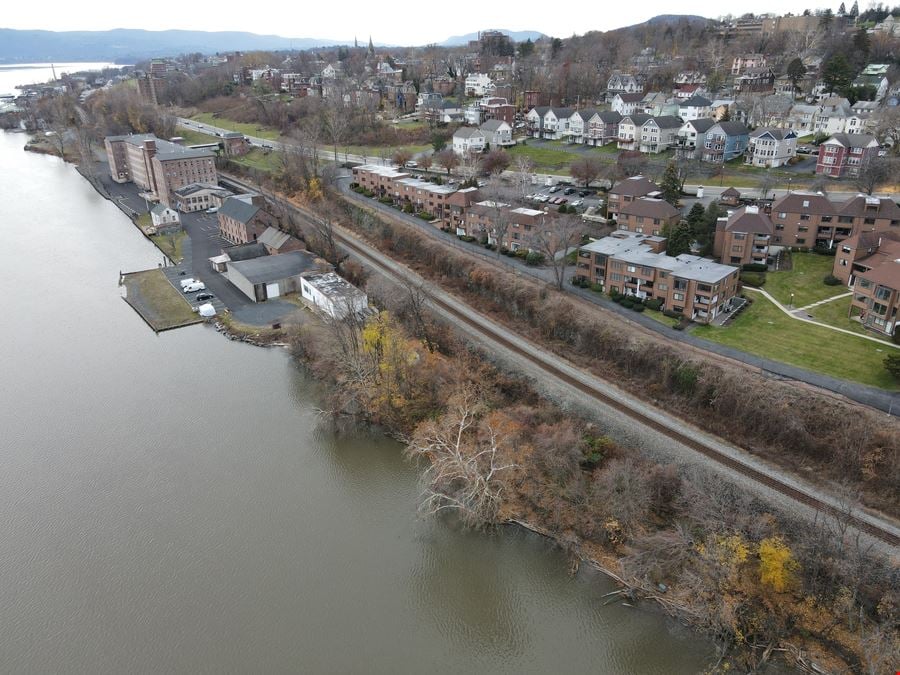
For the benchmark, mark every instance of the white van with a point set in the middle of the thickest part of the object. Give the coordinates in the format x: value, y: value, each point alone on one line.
x: 187, y: 282
x: 412, y: 165
x: 194, y: 287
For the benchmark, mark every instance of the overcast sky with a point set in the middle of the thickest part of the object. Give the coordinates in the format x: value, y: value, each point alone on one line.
x: 399, y: 22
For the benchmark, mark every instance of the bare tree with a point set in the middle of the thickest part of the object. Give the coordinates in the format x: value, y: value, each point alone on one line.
x: 401, y: 156
x: 874, y: 171
x: 586, y: 170
x: 468, y: 165
x: 447, y: 159
x: 553, y: 238
x: 335, y: 123
x: 496, y: 161
x: 524, y: 169
x: 322, y: 235
x: 500, y: 216
x: 465, y: 449
x: 425, y: 161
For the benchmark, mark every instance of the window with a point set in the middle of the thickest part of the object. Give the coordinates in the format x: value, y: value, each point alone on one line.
x: 826, y: 219
x: 801, y: 241
x: 782, y: 215
x: 883, y: 293
x: 662, y: 287
x: 864, y: 283
x: 631, y: 268
x: 804, y: 216
x: 678, y: 296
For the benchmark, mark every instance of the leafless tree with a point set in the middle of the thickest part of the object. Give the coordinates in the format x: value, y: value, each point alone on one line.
x: 401, y: 156
x: 524, y: 167
x: 553, y: 238
x: 875, y: 171
x: 468, y: 165
x: 322, y: 236
x: 496, y: 161
x: 308, y: 139
x: 447, y: 159
x: 500, y: 216
x: 586, y: 170
x: 336, y: 122
x: 465, y: 450
x: 425, y: 161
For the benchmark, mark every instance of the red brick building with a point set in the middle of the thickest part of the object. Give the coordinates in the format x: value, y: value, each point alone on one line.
x: 743, y: 237
x: 842, y: 154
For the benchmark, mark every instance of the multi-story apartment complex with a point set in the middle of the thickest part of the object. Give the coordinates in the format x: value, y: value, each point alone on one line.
x: 158, y: 166
x: 725, y: 141
x: 635, y: 264
x: 743, y: 237
x: 843, y: 154
x: 647, y: 215
x: 864, y: 251
x: 771, y: 147
x: 628, y: 190
x: 876, y: 297
x: 512, y: 228
x: 808, y: 220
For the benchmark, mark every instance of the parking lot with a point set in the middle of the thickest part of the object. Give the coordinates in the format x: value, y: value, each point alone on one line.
x: 569, y: 195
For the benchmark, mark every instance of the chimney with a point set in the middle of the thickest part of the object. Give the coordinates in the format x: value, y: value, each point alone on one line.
x: 150, y: 148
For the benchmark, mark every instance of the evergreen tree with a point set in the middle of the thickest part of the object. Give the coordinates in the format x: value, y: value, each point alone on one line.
x: 678, y: 238
x: 526, y: 48
x: 836, y: 75
x: 695, y: 219
x: 796, y: 71
x: 726, y: 116
x: 842, y: 10
x: 854, y: 10
x: 670, y: 185
x: 826, y: 20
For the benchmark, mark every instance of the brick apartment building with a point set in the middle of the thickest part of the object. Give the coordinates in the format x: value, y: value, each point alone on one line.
x: 807, y: 220
x: 636, y: 264
x: 743, y: 237
x: 647, y: 215
x: 519, y: 225
x: 876, y: 296
x: 628, y: 190
x: 842, y: 154
x: 864, y: 251
x: 158, y: 166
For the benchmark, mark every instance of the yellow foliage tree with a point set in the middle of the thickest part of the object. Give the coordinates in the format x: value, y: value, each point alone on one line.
x: 390, y: 356
x: 777, y: 566
x: 314, y: 189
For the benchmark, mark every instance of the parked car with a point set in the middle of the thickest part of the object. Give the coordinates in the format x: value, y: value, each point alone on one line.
x: 583, y: 193
x: 569, y: 191
x: 205, y: 296
x: 555, y: 188
x: 562, y: 200
x: 577, y: 203
x: 187, y: 282
x: 543, y: 199
x: 212, y: 209
x: 194, y: 287
x: 804, y: 149
x: 411, y: 164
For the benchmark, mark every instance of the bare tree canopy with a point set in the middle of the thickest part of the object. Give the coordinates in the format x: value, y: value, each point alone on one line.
x: 553, y: 239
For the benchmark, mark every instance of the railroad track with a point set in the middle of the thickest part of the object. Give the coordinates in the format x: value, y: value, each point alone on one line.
x: 635, y: 414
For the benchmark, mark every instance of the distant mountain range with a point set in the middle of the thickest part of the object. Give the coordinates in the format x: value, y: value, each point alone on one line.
x: 127, y: 45
x: 517, y: 36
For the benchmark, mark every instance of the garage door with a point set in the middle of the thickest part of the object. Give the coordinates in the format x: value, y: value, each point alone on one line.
x: 272, y: 291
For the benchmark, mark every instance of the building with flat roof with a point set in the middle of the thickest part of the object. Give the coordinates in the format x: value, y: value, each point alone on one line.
x: 636, y: 264
x: 333, y: 295
x: 270, y: 276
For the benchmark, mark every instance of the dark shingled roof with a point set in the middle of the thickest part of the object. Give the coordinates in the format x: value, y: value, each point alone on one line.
x: 668, y: 122
x: 238, y: 209
x: 637, y: 186
x: 750, y: 221
x: 696, y: 102
x: 270, y: 268
x: 610, y: 117
x: 733, y: 128
x: 731, y: 192
x: 702, y: 125
x: 631, y: 98
x: 793, y: 203
x: 254, y: 249
x: 870, y: 206
x: 650, y: 208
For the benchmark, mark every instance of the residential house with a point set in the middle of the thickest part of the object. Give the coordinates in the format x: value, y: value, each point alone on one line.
x: 478, y: 84
x: 635, y: 264
x: 730, y: 197
x: 721, y: 107
x: 832, y: 116
x: 743, y: 237
x: 629, y: 137
x: 745, y: 62
x: 725, y: 141
x: 861, y: 123
x: 694, y: 108
x: 243, y: 218
x: 602, y: 128
x: 450, y: 111
x: 497, y: 108
x: 472, y: 115
x: 692, y: 135
x: 164, y: 218
x: 755, y: 80
x: 647, y: 215
x: 808, y: 220
x: 658, y: 134
x: 547, y: 122
x: 687, y: 83
x: 802, y: 118
x: 467, y: 140
x: 332, y: 295
x: 497, y: 133
x: 771, y: 147
x: 626, y: 104
x: 876, y: 296
x: 627, y: 190
x: 657, y: 104
x: 622, y: 83
x: 579, y: 125
x: 843, y: 154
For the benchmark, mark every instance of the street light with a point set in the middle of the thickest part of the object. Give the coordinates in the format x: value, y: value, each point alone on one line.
x: 792, y: 301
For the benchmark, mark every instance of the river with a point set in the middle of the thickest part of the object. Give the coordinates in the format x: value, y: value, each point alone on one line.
x: 170, y: 505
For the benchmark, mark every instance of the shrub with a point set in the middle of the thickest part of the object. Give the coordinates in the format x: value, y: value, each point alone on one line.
x: 672, y: 314
x: 831, y: 280
x: 408, y: 208
x: 521, y: 253
x: 466, y: 238
x: 754, y: 267
x: 627, y: 302
x: 534, y: 258
x: 424, y: 215
x: 824, y: 250
x: 654, y: 304
x: 489, y: 246
x: 387, y: 200
x: 638, y: 307
x: 755, y: 279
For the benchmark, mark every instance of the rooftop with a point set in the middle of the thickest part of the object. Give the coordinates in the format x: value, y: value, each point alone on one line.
x: 270, y: 268
x: 334, y: 287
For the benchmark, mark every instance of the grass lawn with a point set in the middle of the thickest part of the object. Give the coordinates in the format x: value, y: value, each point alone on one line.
x: 158, y: 301
x: 171, y: 245
x: 835, y: 314
x: 660, y: 317
x: 375, y: 150
x: 764, y: 330
x: 194, y: 137
x: 804, y: 280
x: 242, y: 127
x: 145, y: 220
x: 545, y: 159
x: 259, y: 159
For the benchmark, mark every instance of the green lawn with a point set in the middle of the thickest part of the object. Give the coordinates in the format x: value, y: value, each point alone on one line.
x: 242, y: 127
x: 194, y: 137
x: 159, y: 302
x: 660, y: 317
x: 835, y: 313
x: 545, y: 159
x: 805, y: 280
x: 171, y: 244
x: 266, y: 161
x: 765, y: 330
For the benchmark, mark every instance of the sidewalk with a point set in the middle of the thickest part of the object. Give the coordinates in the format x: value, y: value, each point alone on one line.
x: 793, y: 314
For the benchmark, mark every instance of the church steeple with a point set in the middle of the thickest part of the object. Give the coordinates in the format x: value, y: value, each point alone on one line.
x: 355, y: 43
x: 371, y: 47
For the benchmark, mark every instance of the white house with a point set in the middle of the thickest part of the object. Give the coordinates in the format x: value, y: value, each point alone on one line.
x: 468, y: 139
x: 832, y: 116
x: 626, y: 104
x: 472, y: 115
x: 694, y: 108
x: 479, y: 84
x: 623, y: 83
x: 164, y: 218
x: 771, y: 147
x: 497, y: 133
x: 630, y: 130
x: 329, y: 72
x: 802, y: 118
x: 692, y: 134
x: 333, y: 295
x: 547, y: 122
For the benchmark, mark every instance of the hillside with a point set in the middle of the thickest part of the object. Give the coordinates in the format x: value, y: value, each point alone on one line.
x: 517, y: 36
